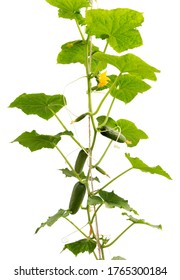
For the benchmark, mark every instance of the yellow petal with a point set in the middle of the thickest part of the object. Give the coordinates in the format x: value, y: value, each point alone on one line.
x: 103, y: 79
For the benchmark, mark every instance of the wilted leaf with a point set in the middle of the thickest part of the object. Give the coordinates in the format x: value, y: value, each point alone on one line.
x: 118, y: 258
x: 51, y: 220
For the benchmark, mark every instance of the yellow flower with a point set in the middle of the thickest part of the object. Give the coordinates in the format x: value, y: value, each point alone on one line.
x: 103, y: 79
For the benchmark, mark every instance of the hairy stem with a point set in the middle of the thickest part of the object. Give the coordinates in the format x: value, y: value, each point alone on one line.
x: 76, y: 227
x: 91, y: 121
x: 111, y: 243
x: 82, y: 36
x: 108, y: 113
x: 95, y: 212
x: 115, y: 178
x: 68, y: 163
x: 65, y: 128
x: 103, y: 155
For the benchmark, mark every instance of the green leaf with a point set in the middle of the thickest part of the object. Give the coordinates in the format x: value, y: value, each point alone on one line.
x: 67, y: 172
x: 118, y: 25
x: 53, y: 219
x: 129, y: 63
x: 131, y: 132
x: 118, y: 258
x: 75, y: 52
x: 35, y: 141
x: 81, y: 246
x: 110, y: 122
x: 139, y: 164
x: 69, y: 8
x: 113, y: 200
x: 141, y: 221
x: 127, y: 87
x: 94, y: 200
x: 127, y: 128
x: 39, y: 104
x: 96, y: 179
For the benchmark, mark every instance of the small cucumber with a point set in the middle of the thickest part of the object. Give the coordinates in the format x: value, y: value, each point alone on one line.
x: 77, y: 196
x: 81, y: 117
x: 80, y: 161
x: 99, y: 169
x: 113, y: 134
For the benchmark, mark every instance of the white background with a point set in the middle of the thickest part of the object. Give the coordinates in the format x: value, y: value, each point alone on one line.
x: 32, y: 188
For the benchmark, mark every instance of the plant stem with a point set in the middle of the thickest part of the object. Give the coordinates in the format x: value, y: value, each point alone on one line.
x: 105, y: 96
x: 115, y: 178
x: 107, y: 43
x: 104, y: 153
x: 63, y: 125
x: 91, y: 146
x: 97, y: 67
x: 95, y: 212
x: 67, y: 161
x: 108, y: 245
x: 65, y: 158
x: 95, y: 256
x: 77, y: 227
x: 82, y: 36
x: 102, y: 251
x: 108, y: 113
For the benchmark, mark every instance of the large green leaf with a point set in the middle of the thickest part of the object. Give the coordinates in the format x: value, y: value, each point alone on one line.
x: 139, y: 164
x: 129, y: 63
x: 127, y: 87
x: 127, y: 128
x: 35, y: 141
x: 131, y: 132
x: 113, y: 200
x: 118, y: 25
x: 51, y: 220
x: 69, y: 8
x: 75, y: 51
x: 39, y: 104
x: 81, y: 246
x: 141, y: 221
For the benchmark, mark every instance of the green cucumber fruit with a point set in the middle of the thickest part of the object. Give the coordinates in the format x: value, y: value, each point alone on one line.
x: 80, y: 161
x: 77, y: 196
x: 99, y: 169
x: 81, y: 117
x: 113, y: 134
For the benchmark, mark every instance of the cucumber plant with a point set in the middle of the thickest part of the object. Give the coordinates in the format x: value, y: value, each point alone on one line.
x: 119, y: 75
